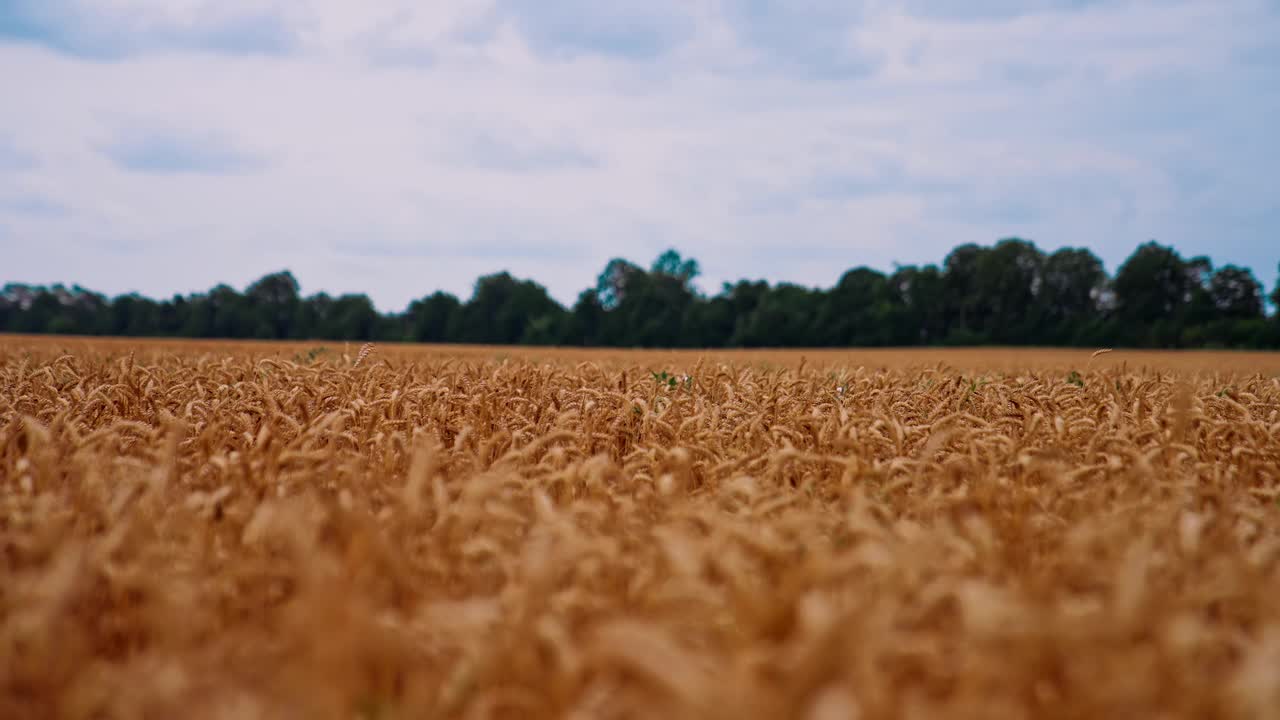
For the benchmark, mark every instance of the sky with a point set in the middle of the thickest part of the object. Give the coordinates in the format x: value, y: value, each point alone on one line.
x: 399, y: 147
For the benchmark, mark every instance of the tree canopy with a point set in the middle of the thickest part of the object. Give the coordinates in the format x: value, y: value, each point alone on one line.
x: 1010, y: 293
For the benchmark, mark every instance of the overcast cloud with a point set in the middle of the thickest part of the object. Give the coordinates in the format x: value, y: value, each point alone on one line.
x: 397, y: 147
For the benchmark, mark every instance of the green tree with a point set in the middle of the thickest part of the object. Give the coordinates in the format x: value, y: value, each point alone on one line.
x: 173, y: 316
x: 855, y: 312
x: 1007, y: 293
x: 351, y: 317
x: 1156, y: 291
x: 1153, y: 284
x: 784, y: 317
x: 671, y: 264
x: 917, y: 312
x: 733, y: 307
x: 231, y: 314
x: 274, y: 301
x: 313, y: 316
x: 583, y: 324
x: 1275, y: 295
x: 1073, y: 281
x: 503, y: 310
x: 713, y: 320
x: 133, y: 315
x: 10, y: 311
x: 611, y: 285
x: 433, y: 319
x: 964, y: 311
x: 653, y: 313
x: 1236, y: 295
x: 1009, y: 278
x: 992, y: 293
x: 649, y: 309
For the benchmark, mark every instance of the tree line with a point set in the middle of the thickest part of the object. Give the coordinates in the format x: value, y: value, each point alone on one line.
x: 1010, y: 293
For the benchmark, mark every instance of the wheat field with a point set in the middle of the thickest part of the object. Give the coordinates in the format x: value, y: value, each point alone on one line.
x: 240, y: 530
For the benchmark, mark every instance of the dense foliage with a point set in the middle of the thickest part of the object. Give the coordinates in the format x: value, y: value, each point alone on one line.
x: 1009, y: 294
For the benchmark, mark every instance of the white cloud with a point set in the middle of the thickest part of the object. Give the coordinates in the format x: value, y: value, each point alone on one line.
x: 12, y: 157
x: 398, y: 147
x: 114, y: 29
x: 168, y: 151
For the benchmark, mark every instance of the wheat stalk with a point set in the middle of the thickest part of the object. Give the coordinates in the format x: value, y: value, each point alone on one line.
x: 365, y: 349
x: 566, y: 533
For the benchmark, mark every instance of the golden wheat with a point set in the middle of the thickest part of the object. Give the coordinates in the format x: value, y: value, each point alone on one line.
x: 272, y: 531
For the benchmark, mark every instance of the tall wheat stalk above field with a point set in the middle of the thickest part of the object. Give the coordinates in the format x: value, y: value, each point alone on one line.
x: 365, y: 349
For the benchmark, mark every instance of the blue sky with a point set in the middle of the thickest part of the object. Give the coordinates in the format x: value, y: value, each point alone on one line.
x: 397, y: 147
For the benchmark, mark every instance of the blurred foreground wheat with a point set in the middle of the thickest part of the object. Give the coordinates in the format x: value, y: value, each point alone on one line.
x: 245, y: 534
